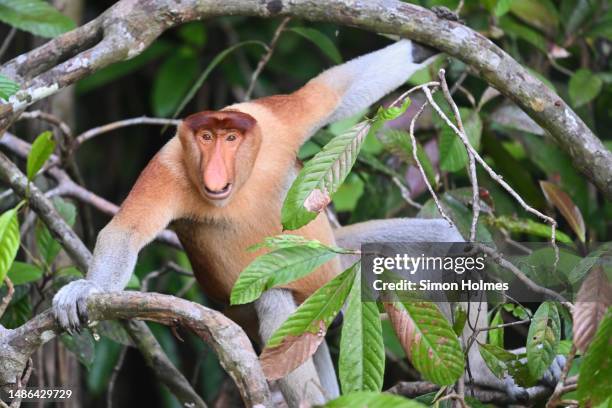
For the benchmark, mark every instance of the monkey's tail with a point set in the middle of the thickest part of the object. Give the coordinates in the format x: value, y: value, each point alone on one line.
x: 362, y: 81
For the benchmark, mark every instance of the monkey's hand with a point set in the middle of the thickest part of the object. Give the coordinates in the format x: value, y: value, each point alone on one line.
x: 70, y: 304
x: 550, y: 379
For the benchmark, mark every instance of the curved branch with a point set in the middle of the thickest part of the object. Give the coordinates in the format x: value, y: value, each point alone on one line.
x: 225, y: 337
x: 129, y: 26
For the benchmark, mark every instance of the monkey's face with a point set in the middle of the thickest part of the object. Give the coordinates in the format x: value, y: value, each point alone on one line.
x: 221, y: 148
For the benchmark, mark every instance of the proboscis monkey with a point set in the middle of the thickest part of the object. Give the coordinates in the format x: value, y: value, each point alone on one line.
x: 220, y: 184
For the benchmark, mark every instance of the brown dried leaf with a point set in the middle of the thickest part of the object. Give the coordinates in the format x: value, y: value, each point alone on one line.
x: 404, y: 327
x: 566, y: 206
x: 317, y: 200
x: 280, y: 360
x: 592, y: 301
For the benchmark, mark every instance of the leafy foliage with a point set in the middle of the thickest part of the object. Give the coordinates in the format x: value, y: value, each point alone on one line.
x: 42, y: 149
x: 34, y: 16
x: 366, y: 399
x: 7, y: 87
x: 9, y: 241
x: 320, y: 40
x: 543, y: 339
x: 596, y: 369
x: 278, y: 267
x: 362, y: 354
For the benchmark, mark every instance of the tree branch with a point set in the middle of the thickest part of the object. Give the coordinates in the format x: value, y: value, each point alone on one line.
x: 225, y: 337
x: 128, y: 27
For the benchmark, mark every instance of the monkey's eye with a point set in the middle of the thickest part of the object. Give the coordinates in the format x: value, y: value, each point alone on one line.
x: 231, y: 137
x: 207, y: 136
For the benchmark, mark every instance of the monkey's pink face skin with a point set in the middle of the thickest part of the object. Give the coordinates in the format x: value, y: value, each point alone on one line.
x: 224, y: 150
x: 218, y: 147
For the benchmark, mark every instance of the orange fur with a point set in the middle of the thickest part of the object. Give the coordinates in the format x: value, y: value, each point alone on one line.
x: 214, y: 236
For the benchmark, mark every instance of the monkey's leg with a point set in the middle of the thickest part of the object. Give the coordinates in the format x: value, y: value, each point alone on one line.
x: 302, y: 384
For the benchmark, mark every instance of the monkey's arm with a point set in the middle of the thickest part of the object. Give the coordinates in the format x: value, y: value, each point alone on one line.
x: 153, y: 202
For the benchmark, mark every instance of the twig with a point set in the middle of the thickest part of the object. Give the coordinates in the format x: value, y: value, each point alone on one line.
x: 10, y: 291
x: 113, y: 378
x: 405, y: 193
x: 492, y: 173
x: 50, y: 118
x: 7, y: 41
x: 420, y: 166
x: 470, y: 153
x: 142, y: 120
x: 521, y: 276
x: 266, y: 57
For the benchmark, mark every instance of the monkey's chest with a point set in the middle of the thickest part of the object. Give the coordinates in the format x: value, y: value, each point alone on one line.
x: 218, y: 253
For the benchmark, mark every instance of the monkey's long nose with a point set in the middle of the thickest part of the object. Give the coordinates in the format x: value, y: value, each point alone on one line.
x: 216, y: 179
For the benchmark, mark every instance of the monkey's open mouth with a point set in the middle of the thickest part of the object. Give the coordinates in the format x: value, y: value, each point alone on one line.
x: 219, y: 194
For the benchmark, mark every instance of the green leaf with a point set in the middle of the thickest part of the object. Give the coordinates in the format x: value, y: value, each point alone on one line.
x: 35, y: 16
x: 543, y: 339
x: 365, y: 399
x: 7, y: 87
x: 42, y: 149
x: 527, y: 226
x: 48, y: 247
x: 496, y: 336
x: 579, y: 272
x: 9, y: 241
x: 81, y: 345
x: 321, y: 307
x: 324, y: 173
x: 21, y: 272
x: 502, y: 7
x: 541, y: 14
x: 603, y: 27
x: 215, y: 61
x: 518, y: 30
x: 428, y: 339
x: 193, y: 33
x: 459, y: 319
x: 320, y: 40
x: 453, y: 156
x: 278, y: 267
x: 594, y: 385
x: 361, y: 364
x: 173, y: 80
x: 496, y: 358
x: 584, y: 86
x: 321, y: 177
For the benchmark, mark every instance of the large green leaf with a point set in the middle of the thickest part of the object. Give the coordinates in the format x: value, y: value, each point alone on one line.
x: 428, y: 339
x: 541, y: 14
x: 7, y: 87
x: 528, y: 226
x: 321, y: 306
x: 35, y: 16
x: 594, y: 385
x: 42, y: 149
x: 9, y: 241
x: 543, y: 339
x: 81, y: 345
x: 361, y: 364
x: 48, y: 247
x: 320, y: 40
x: 21, y: 272
x: 324, y: 173
x: 584, y: 86
x: 496, y: 358
x: 278, y: 267
x: 365, y: 399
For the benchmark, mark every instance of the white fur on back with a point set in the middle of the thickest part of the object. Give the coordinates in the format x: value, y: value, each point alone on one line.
x: 364, y: 80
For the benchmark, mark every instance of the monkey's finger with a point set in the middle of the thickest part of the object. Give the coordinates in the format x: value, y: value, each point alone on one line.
x: 82, y: 310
